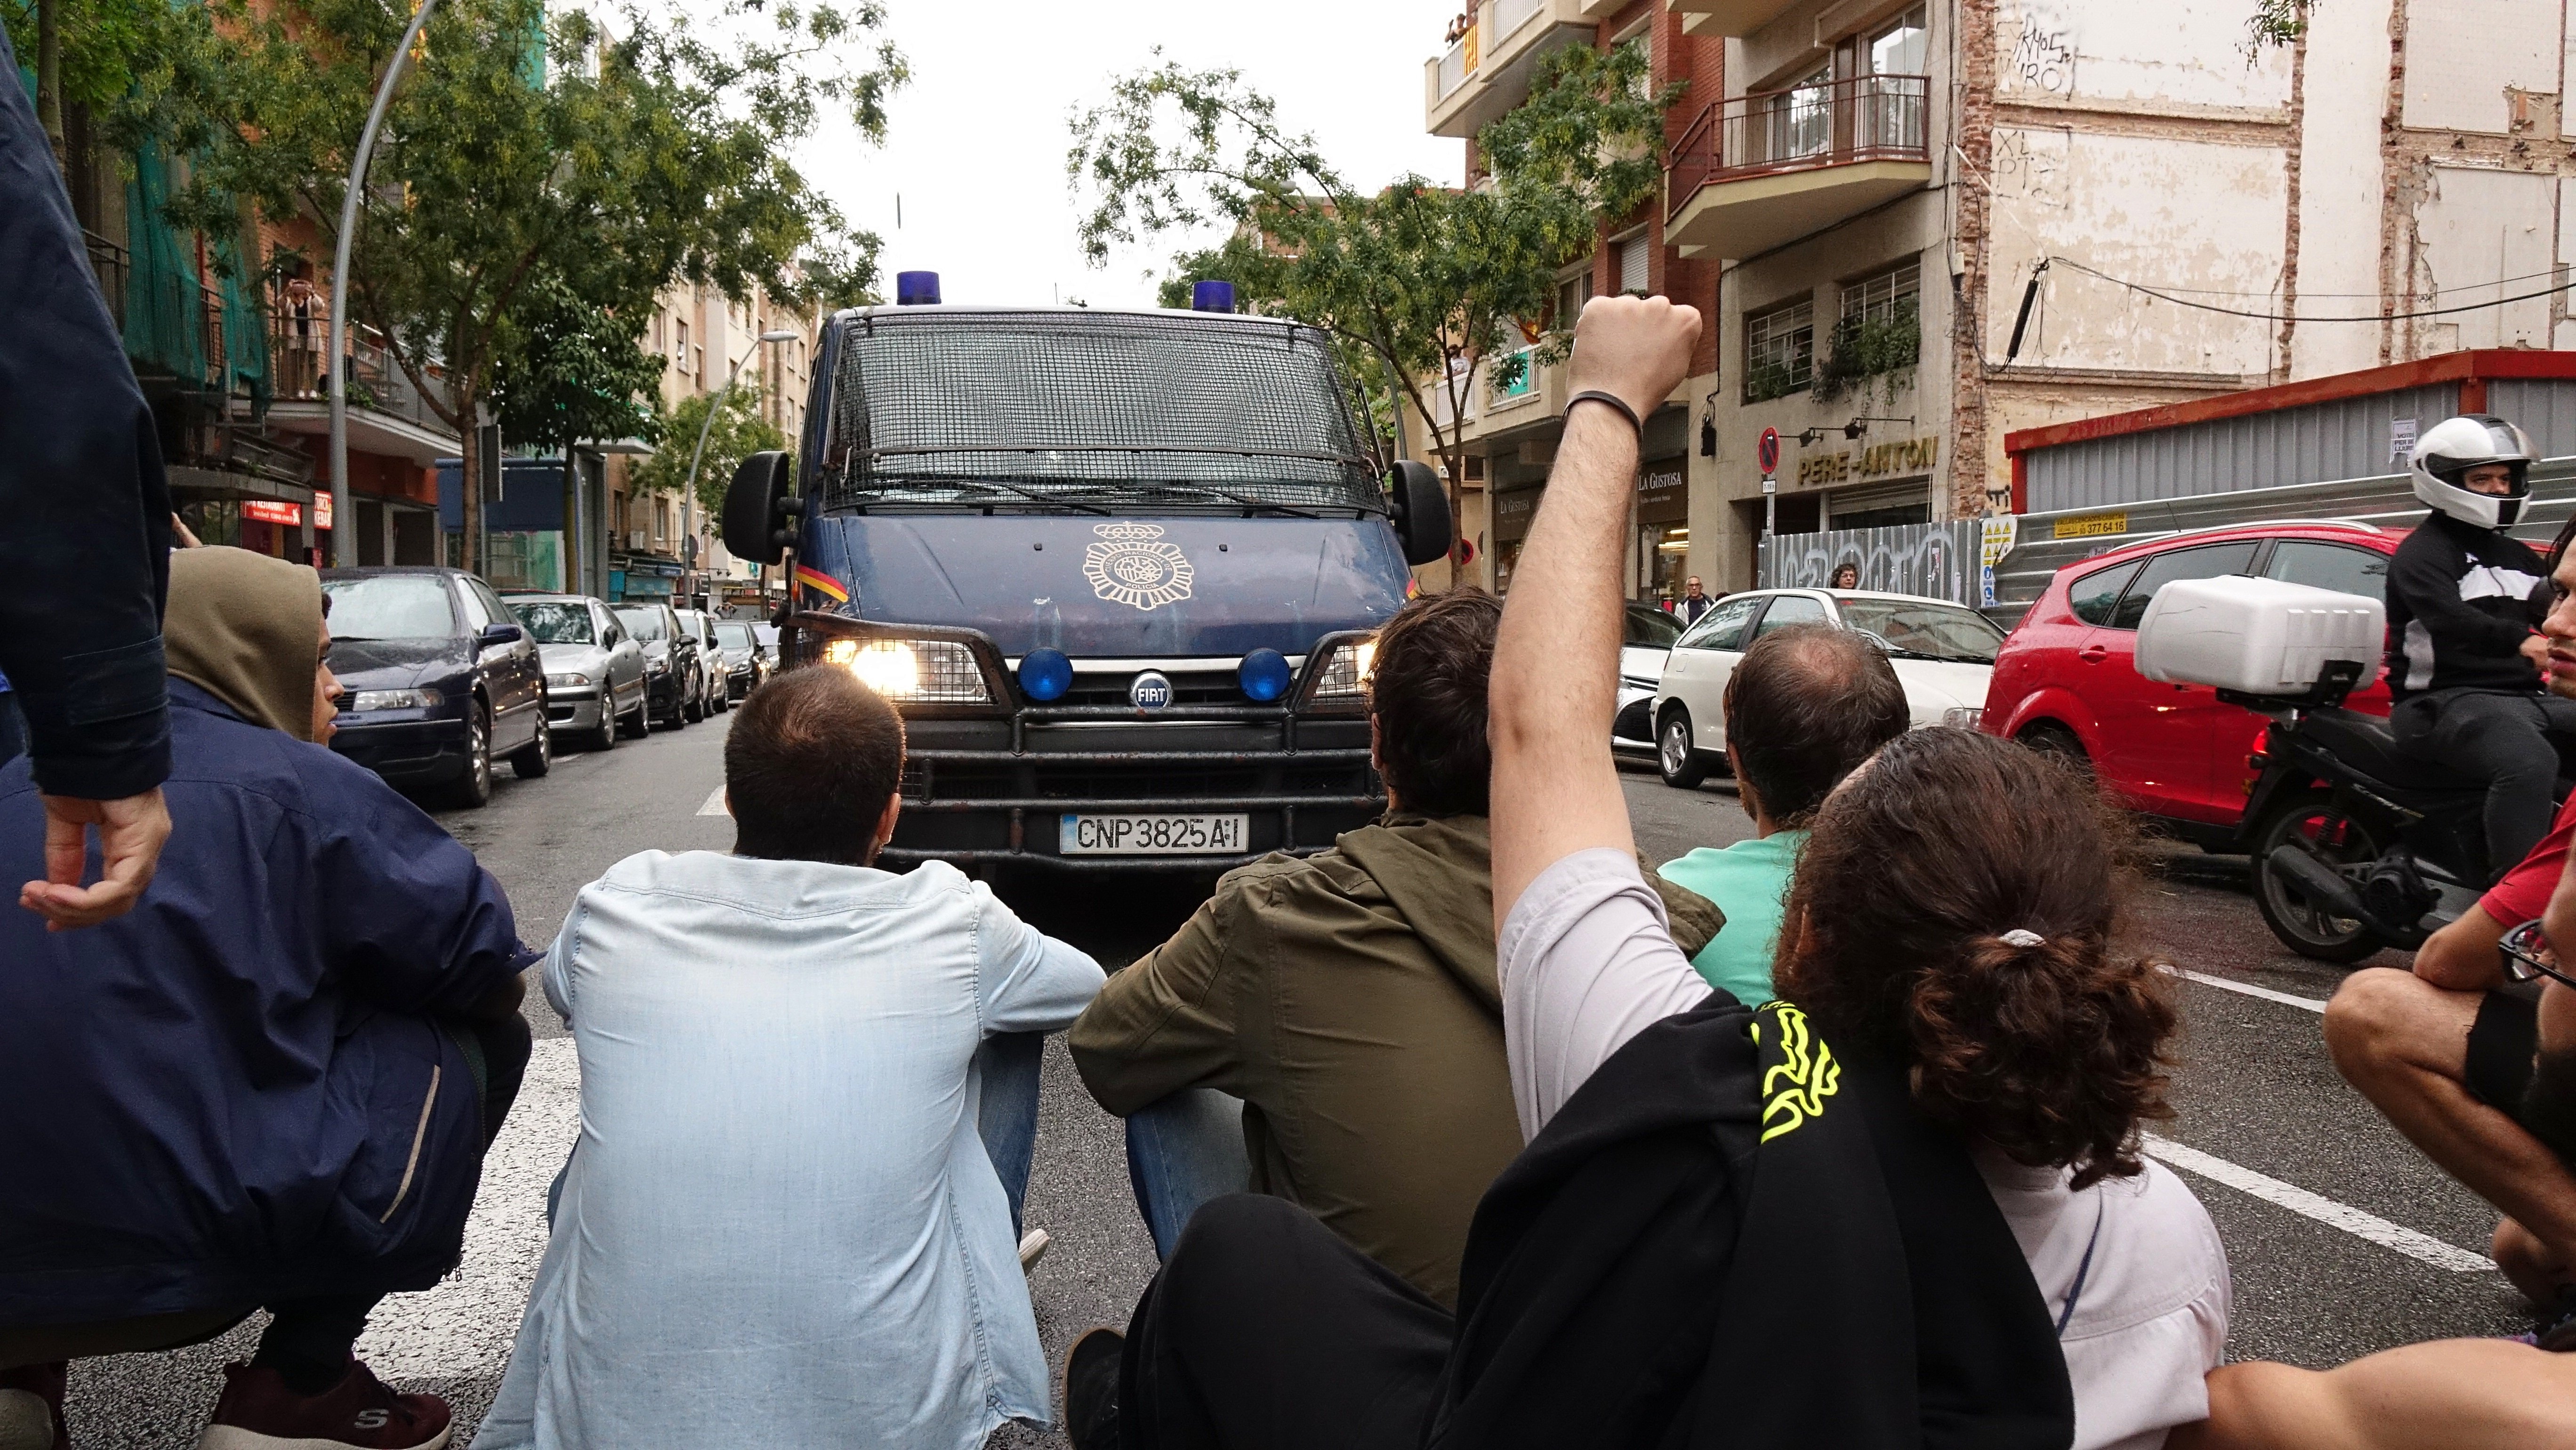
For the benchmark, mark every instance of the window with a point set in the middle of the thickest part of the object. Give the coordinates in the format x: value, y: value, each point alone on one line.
x: 1896, y: 292
x: 2093, y: 597
x: 1571, y: 294
x: 1723, y: 626
x: 1634, y: 255
x: 645, y: 622
x: 1797, y: 122
x: 1903, y: 48
x: 681, y: 336
x: 1651, y: 628
x: 2207, y: 562
x: 2330, y: 566
x: 1779, y: 351
x: 554, y: 621
x: 1789, y: 609
x: 476, y: 616
x: 493, y: 608
x: 389, y: 606
x: 1926, y: 631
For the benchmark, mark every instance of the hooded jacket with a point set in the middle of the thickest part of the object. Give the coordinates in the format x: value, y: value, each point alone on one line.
x: 237, y: 1092
x: 1349, y: 999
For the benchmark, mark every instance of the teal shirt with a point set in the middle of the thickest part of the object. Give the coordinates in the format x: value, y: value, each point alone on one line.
x: 1749, y: 881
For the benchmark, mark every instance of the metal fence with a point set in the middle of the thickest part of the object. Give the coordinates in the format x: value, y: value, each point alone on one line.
x: 1939, y: 561
x: 376, y: 377
x: 1801, y: 128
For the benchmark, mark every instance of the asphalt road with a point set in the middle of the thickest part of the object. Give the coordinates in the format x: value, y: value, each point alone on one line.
x: 2342, y: 1239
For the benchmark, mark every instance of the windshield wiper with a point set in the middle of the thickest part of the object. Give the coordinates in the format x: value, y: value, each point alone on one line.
x: 1234, y: 498
x: 982, y: 485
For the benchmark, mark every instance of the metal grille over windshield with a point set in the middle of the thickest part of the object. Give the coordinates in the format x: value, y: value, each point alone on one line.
x: 1096, y: 410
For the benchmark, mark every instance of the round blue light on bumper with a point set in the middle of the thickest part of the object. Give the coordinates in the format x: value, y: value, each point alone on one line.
x: 1045, y: 674
x: 1264, y: 674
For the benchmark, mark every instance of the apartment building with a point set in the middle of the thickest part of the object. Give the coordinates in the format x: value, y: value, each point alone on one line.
x: 661, y: 544
x: 1509, y: 433
x: 1920, y: 226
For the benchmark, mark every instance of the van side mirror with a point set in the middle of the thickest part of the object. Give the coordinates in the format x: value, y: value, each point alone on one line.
x: 1421, y: 511
x: 759, y: 524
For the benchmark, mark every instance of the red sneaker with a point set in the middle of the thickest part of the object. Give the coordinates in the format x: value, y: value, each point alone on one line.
x: 259, y: 1412
x: 31, y: 1407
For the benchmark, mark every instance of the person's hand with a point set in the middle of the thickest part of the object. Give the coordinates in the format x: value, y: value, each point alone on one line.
x: 131, y: 833
x: 1636, y: 348
x: 179, y: 530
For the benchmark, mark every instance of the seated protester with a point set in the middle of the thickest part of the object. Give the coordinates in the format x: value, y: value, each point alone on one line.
x: 2460, y: 1394
x: 270, y: 1085
x: 1348, y: 997
x: 779, y: 1226
x: 1804, y: 707
x: 1956, y: 1111
x: 2445, y: 1050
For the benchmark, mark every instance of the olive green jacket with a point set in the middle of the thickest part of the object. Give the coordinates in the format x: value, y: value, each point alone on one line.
x: 1349, y: 999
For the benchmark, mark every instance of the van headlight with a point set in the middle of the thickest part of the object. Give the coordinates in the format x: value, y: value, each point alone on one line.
x: 1346, y: 674
x: 913, y: 671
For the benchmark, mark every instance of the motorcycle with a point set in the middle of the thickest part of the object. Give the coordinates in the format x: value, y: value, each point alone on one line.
x: 2356, y: 846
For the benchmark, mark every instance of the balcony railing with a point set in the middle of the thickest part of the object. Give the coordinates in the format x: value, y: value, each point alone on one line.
x: 1801, y: 128
x: 111, y: 262
x: 296, y: 346
x: 1511, y: 15
x: 1458, y: 64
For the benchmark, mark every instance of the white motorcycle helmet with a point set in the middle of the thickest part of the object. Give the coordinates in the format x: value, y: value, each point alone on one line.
x: 2448, y: 450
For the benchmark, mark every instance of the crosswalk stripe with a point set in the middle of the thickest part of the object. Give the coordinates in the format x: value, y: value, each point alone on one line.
x: 2311, y: 1004
x: 715, y: 805
x: 2316, y: 1206
x: 465, y: 1325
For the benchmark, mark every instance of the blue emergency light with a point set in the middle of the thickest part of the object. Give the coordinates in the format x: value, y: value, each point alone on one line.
x: 1264, y: 672
x: 916, y: 289
x: 1045, y: 674
x: 1212, y: 297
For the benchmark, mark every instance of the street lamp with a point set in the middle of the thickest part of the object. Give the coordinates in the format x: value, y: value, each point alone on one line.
x: 344, y: 534
x: 689, y: 490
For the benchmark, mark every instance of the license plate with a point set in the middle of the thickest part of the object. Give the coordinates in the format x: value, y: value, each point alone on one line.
x: 1152, y: 835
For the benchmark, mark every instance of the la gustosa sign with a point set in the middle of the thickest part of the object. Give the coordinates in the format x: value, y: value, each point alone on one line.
x: 1879, y: 460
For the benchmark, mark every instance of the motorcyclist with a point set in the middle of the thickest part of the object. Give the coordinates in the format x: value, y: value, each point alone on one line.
x: 2464, y: 657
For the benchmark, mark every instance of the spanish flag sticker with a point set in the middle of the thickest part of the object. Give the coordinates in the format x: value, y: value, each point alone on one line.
x: 822, y: 583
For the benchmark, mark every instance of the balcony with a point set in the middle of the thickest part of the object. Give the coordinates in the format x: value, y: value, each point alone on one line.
x: 1772, y: 166
x: 1487, y: 72
x: 1726, y: 17
x: 386, y: 413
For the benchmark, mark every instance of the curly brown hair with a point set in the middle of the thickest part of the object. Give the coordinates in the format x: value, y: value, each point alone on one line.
x: 1918, y: 868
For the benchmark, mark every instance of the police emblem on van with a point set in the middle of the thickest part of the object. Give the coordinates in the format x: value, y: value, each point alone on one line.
x: 1133, y: 566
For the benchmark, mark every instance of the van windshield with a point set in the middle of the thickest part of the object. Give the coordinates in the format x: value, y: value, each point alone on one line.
x: 1092, y: 413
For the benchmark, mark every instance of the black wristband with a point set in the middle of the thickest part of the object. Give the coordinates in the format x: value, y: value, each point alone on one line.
x: 1595, y: 395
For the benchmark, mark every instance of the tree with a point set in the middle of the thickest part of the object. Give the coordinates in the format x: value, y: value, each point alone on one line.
x: 570, y: 371
x: 120, y: 60
x: 737, y: 433
x: 629, y: 160
x: 1418, y: 280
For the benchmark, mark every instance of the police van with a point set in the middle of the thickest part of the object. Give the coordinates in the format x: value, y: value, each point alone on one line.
x: 1119, y: 571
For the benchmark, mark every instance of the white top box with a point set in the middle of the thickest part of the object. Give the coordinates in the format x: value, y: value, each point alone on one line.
x: 2258, y: 636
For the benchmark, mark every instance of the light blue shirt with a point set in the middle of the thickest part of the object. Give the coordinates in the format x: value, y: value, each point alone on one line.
x: 1749, y: 881
x: 780, y: 1227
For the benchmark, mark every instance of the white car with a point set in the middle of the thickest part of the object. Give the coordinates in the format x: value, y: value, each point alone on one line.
x: 1943, y: 654
x: 1650, y: 632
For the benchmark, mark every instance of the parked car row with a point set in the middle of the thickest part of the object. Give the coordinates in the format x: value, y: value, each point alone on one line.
x: 442, y: 676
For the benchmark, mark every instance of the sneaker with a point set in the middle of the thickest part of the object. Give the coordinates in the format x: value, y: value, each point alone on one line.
x: 1091, y: 1390
x: 1033, y: 1247
x: 259, y: 1412
x: 2557, y: 1326
x: 31, y: 1407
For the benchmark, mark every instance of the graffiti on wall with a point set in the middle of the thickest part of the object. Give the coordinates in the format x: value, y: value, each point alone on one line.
x: 2043, y: 59
x: 1940, y: 561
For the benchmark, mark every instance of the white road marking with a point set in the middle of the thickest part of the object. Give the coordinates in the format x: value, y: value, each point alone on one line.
x: 2312, y: 1004
x: 2324, y: 1210
x: 715, y: 805
x: 465, y: 1326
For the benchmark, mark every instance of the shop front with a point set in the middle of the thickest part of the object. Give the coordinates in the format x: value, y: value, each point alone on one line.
x: 1663, y: 529
x: 1514, y: 510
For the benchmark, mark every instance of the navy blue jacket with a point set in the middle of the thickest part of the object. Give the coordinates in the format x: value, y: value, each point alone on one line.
x: 84, y: 508
x: 236, y: 1092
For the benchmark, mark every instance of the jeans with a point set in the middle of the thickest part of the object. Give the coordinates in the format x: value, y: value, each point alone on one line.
x: 1181, y: 1152
x: 2502, y: 739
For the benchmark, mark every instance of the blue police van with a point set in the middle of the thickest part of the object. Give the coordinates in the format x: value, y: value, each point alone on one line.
x: 1119, y: 571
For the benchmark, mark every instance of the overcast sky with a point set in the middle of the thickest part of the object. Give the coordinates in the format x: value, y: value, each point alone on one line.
x: 977, y: 144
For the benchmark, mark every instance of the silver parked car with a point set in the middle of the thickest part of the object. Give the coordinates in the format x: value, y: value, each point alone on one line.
x: 716, y: 661
x: 594, y: 667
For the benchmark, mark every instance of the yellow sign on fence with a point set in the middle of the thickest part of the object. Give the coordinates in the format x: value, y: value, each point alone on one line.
x: 2092, y: 526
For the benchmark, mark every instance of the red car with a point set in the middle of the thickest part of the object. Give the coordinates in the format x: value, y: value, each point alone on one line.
x: 2066, y: 679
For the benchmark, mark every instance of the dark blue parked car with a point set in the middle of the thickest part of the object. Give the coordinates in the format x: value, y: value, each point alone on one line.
x: 437, y: 678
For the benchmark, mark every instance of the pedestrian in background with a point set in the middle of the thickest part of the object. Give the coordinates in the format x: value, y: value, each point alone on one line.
x: 1693, y: 603
x: 271, y: 1084
x: 85, y: 549
x: 1846, y: 576
x: 1347, y: 999
x: 783, y: 1225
